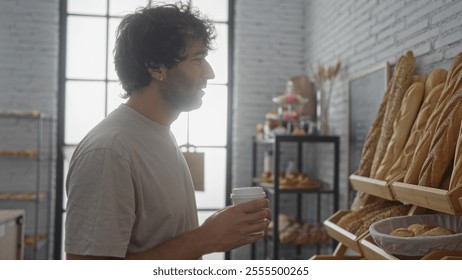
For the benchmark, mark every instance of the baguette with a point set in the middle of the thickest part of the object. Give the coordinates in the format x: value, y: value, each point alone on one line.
x: 453, y: 83
x: 403, y: 73
x: 399, y: 210
x: 436, y: 77
x: 402, y: 127
x: 443, y: 144
x: 399, y: 167
x: 355, y: 225
x: 361, y: 212
x: 456, y: 176
x: 402, y: 77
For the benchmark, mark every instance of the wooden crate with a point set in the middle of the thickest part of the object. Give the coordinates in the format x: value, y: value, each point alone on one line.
x: 431, y: 198
x: 371, y: 186
x: 340, y: 234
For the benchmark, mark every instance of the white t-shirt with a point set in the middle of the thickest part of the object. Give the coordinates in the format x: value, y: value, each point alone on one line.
x: 128, y: 188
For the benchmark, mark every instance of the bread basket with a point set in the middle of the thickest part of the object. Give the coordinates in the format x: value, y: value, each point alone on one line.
x: 417, y: 246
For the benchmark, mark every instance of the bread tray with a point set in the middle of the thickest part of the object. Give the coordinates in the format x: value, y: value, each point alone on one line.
x: 436, y: 199
x: 371, y: 186
x: 340, y: 234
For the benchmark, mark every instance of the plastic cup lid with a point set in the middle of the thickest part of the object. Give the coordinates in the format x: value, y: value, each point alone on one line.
x: 248, y: 191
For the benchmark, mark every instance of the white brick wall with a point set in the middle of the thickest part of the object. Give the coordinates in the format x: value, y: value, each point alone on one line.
x: 28, y: 81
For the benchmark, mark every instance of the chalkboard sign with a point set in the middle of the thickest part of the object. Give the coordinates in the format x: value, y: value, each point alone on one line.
x: 366, y: 91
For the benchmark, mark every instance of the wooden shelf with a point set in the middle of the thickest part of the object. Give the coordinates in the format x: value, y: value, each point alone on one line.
x: 340, y: 234
x: 373, y: 252
x: 436, y: 199
x: 371, y: 186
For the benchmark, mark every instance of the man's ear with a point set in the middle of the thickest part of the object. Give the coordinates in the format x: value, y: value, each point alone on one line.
x: 158, y: 73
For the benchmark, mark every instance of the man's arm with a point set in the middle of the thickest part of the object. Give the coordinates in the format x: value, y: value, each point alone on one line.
x: 226, y: 229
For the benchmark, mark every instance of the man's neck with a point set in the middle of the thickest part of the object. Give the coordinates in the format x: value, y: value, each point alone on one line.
x: 149, y: 103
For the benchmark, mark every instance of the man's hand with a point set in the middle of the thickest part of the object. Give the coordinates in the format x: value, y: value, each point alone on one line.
x: 237, y: 225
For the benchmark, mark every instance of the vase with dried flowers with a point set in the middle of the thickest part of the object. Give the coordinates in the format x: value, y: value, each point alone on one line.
x: 324, y: 79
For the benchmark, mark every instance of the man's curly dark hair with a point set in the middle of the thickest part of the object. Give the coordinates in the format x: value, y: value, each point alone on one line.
x: 154, y: 36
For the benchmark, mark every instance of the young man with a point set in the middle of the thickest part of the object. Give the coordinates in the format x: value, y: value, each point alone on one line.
x: 130, y: 194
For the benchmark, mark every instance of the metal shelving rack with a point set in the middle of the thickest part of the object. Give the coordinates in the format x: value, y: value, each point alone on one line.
x: 275, y: 191
x: 42, y: 194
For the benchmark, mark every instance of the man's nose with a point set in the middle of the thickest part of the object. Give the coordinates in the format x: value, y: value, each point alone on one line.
x: 209, y: 74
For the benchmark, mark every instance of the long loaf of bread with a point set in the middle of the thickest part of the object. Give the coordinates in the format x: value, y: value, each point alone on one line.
x: 404, y: 75
x: 394, y: 211
x: 361, y: 212
x: 399, y: 167
x: 402, y: 127
x: 375, y: 131
x: 443, y: 144
x: 456, y: 176
x: 425, y: 141
x: 433, y: 88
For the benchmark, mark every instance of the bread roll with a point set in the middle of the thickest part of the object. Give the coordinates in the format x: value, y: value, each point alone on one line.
x: 402, y: 80
x: 402, y: 232
x: 419, y: 229
x: 402, y: 127
x: 399, y: 167
x: 425, y: 141
x: 438, y: 231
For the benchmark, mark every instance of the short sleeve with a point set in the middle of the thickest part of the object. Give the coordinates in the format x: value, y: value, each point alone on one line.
x: 100, y: 211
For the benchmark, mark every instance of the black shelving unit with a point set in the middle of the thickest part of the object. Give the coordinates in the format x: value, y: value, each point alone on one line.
x: 35, y: 197
x: 275, y: 191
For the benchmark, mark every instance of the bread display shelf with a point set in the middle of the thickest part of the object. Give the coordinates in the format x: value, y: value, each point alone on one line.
x: 371, y: 186
x: 373, y: 252
x: 340, y: 234
x: 19, y: 153
x: 430, y: 198
x: 21, y: 196
x: 316, y: 185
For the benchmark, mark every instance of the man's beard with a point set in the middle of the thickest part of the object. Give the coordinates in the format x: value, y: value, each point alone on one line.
x: 181, y: 94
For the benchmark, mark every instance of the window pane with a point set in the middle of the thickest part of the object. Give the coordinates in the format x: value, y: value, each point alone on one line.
x: 92, y: 7
x: 218, y: 57
x: 86, y: 47
x: 123, y: 7
x: 208, y: 123
x: 179, y: 128
x: 214, y: 193
x: 114, y: 96
x: 113, y: 23
x: 84, y: 109
x: 214, y: 9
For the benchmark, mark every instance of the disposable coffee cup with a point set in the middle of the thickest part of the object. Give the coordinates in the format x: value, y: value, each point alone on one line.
x: 240, y: 195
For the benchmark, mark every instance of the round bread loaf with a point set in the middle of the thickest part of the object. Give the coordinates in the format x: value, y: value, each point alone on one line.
x: 419, y: 229
x: 402, y: 232
x: 437, y: 231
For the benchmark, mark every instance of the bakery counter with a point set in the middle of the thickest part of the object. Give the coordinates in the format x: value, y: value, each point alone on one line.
x: 449, y: 202
x: 371, y: 186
